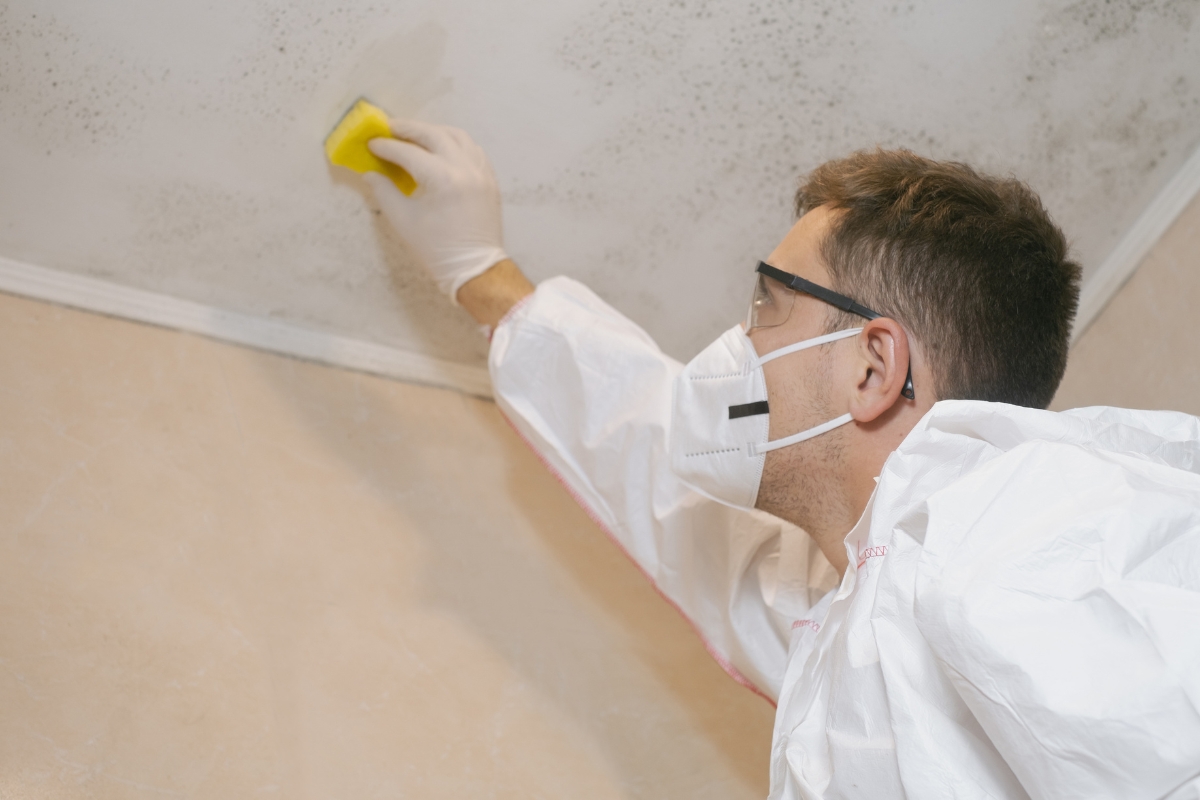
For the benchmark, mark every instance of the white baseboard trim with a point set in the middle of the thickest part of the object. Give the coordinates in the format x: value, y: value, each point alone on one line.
x: 105, y: 297
x: 1120, y: 265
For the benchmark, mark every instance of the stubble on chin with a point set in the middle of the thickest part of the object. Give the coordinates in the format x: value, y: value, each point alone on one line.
x: 796, y: 481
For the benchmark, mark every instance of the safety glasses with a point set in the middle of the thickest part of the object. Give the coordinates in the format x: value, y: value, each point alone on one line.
x: 775, y: 294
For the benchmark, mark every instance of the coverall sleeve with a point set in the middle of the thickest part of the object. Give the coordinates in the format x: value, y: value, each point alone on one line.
x: 590, y: 392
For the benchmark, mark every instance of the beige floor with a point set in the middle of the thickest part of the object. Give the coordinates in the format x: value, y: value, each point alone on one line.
x: 229, y: 574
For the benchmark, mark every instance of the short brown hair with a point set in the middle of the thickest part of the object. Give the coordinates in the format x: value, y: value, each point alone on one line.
x: 972, y: 266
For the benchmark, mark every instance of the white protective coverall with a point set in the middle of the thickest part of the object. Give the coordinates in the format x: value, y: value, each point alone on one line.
x: 1021, y: 614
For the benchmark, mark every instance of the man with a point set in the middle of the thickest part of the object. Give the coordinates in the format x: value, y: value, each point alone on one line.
x: 955, y: 592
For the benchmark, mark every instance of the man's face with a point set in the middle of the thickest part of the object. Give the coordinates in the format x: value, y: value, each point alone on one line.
x: 799, y: 384
x: 800, y: 254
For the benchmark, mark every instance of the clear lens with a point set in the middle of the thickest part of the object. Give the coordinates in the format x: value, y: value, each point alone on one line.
x: 771, y: 303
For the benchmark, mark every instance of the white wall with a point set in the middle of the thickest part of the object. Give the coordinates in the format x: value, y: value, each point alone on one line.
x: 1142, y: 352
x: 647, y: 148
x: 226, y: 574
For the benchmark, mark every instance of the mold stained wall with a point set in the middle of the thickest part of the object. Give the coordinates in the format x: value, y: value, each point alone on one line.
x: 649, y: 149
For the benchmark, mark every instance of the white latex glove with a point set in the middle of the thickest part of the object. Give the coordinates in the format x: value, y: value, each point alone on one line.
x: 452, y: 221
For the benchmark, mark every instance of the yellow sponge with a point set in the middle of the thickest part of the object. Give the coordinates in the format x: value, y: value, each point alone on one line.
x: 346, y: 146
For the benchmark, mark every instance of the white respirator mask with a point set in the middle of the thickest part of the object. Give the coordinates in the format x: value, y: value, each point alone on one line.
x: 719, y: 416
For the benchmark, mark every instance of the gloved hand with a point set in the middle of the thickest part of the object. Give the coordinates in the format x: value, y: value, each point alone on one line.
x: 452, y: 221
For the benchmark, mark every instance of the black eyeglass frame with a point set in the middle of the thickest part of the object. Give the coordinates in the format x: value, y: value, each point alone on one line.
x: 834, y: 299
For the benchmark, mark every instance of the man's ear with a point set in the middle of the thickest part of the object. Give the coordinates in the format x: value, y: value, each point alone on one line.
x: 881, y: 369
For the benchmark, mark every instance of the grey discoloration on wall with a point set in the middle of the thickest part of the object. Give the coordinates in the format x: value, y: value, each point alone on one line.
x: 648, y: 149
x: 1095, y: 104
x: 179, y: 149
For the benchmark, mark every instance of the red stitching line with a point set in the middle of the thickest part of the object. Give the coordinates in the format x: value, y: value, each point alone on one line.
x: 872, y: 552
x: 806, y: 623
x: 724, y: 664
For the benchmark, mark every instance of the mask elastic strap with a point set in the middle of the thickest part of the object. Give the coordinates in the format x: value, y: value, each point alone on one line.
x: 804, y: 345
x: 795, y: 438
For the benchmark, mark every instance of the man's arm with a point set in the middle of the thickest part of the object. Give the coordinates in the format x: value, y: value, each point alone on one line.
x: 590, y: 392
x: 493, y: 294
